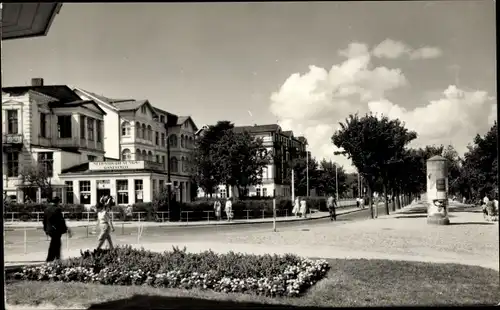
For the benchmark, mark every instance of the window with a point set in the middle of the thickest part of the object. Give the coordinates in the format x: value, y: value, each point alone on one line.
x: 46, y: 161
x: 150, y: 156
x: 182, y: 141
x: 153, y: 184
x: 173, y: 141
x: 122, y: 192
x: 183, y: 166
x: 91, y: 158
x: 158, y: 159
x: 162, y: 118
x: 264, y: 192
x: 90, y: 129
x: 144, y: 155
x: 126, y: 155
x: 126, y: 129
x: 13, y: 123
x: 174, y: 165
x: 138, y: 154
x: 85, y: 192
x: 257, y: 192
x: 143, y: 109
x: 138, y: 188
x: 161, y: 185
x: 70, y: 196
x: 99, y: 130
x: 144, y: 134
x: 43, y: 125
x: 163, y: 139
x: 150, y: 133
x: 138, y: 130
x: 13, y: 164
x: 82, y: 126
x: 64, y: 126
x: 186, y: 125
x: 222, y: 192
x: 157, y: 138
x: 191, y: 142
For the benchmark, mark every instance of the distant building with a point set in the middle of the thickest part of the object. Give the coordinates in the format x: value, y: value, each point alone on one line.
x: 284, y: 146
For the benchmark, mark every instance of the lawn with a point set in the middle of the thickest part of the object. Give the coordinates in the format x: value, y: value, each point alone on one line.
x: 349, y: 283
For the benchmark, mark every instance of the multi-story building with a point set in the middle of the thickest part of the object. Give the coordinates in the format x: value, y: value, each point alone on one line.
x: 47, y: 127
x: 93, y: 145
x: 283, y: 147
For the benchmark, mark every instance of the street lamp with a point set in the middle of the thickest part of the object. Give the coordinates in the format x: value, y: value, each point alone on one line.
x: 307, y: 172
x: 336, y: 181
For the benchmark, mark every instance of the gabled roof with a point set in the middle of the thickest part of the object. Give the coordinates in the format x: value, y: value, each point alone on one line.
x: 77, y: 103
x: 131, y: 105
x: 182, y: 119
x: 63, y: 93
x: 258, y: 128
x: 287, y: 133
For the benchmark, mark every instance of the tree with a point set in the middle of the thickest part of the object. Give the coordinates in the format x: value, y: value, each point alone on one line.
x: 207, y: 174
x: 299, y: 166
x: 240, y: 158
x: 326, y: 178
x: 37, y: 177
x: 373, y: 144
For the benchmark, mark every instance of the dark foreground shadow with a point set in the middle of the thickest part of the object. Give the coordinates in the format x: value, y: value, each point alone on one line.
x: 473, y: 223
x: 140, y: 302
x: 411, y: 216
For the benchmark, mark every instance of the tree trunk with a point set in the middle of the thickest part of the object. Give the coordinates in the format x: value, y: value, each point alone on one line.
x: 370, y: 201
x: 386, y: 202
x: 398, y: 199
x: 393, y: 200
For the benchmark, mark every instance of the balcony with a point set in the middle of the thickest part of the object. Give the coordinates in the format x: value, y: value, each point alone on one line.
x: 12, y: 139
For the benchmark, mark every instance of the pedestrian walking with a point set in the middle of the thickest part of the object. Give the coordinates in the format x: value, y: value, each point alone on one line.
x: 54, y: 226
x: 106, y: 226
x: 357, y: 202
x: 362, y: 203
x: 229, y: 209
x: 331, y: 203
x: 303, y: 207
x: 217, y: 209
x: 296, y: 207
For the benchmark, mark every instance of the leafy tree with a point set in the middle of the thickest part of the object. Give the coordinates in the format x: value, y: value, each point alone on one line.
x: 326, y: 178
x: 241, y: 159
x: 207, y: 174
x: 299, y: 166
x: 37, y: 176
x: 373, y: 144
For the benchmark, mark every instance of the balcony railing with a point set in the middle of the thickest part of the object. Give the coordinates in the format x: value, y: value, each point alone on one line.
x: 12, y: 138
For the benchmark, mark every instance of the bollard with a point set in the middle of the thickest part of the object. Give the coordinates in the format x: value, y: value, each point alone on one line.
x: 162, y: 220
x: 274, y: 214
x: 286, y: 213
x: 208, y: 216
x: 25, y: 241
x: 262, y: 213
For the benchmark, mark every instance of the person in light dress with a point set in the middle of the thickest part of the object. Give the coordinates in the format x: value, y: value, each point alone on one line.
x: 296, y: 207
x: 229, y: 209
x: 303, y: 207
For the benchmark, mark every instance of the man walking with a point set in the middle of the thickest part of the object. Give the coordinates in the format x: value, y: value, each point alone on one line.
x: 54, y: 226
x: 331, y: 203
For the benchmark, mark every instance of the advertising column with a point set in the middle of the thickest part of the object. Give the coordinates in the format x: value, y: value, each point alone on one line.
x: 437, y: 191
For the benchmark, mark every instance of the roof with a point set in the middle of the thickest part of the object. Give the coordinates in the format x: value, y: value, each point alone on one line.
x: 182, y: 119
x: 288, y: 133
x: 129, y: 105
x: 258, y: 128
x: 62, y: 93
x: 76, y: 103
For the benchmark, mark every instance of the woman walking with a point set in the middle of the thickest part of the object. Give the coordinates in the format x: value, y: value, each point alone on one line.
x: 229, y: 209
x: 217, y: 209
x: 296, y: 207
x: 105, y: 224
x: 303, y: 207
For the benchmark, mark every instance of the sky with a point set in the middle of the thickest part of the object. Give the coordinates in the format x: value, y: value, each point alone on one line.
x: 304, y: 65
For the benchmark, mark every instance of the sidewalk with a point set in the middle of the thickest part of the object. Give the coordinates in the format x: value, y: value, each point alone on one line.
x: 291, y: 218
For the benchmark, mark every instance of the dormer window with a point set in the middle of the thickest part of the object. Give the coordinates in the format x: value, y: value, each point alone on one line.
x: 143, y: 109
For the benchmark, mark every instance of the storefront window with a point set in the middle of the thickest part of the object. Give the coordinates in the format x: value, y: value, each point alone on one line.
x: 69, y: 192
x: 139, y: 191
x: 122, y: 192
x: 85, y: 192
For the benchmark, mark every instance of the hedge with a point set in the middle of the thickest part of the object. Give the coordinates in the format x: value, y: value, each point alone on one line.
x: 255, y: 208
x: 269, y: 275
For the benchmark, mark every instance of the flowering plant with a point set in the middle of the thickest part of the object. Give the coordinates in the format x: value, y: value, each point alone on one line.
x: 290, y: 279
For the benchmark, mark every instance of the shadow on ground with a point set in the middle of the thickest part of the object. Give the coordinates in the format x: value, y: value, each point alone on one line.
x: 411, y: 216
x: 163, y: 302
x: 473, y: 223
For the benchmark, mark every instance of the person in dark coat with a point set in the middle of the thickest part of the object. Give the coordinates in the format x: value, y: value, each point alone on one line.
x: 54, y: 226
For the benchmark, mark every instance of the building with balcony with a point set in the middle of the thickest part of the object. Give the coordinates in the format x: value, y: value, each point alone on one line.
x: 284, y: 147
x: 136, y: 131
x: 47, y: 127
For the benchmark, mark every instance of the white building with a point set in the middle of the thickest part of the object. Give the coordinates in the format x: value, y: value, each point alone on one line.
x: 283, y: 146
x: 93, y: 145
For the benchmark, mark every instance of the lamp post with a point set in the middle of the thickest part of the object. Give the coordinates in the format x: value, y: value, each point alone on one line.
x: 307, y: 172
x: 336, y: 182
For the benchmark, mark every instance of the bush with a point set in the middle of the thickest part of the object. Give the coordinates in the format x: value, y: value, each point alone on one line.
x: 269, y: 275
x: 25, y: 212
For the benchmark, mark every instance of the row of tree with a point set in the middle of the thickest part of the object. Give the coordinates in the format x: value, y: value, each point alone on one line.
x: 378, y: 148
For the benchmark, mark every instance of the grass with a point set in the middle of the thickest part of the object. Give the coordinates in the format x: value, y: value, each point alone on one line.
x: 350, y: 283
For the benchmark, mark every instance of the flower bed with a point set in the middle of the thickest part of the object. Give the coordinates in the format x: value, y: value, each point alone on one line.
x: 287, y: 275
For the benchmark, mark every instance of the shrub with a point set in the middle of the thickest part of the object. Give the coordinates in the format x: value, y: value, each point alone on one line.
x: 25, y: 212
x: 269, y: 275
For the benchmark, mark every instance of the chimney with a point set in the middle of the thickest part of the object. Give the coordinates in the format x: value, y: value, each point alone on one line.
x: 36, y: 82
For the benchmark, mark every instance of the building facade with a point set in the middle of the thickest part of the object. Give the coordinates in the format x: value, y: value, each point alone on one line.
x: 91, y: 146
x: 284, y: 147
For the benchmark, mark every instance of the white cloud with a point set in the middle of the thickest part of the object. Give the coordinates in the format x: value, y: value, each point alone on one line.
x: 392, y: 49
x: 313, y: 104
x: 426, y: 53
